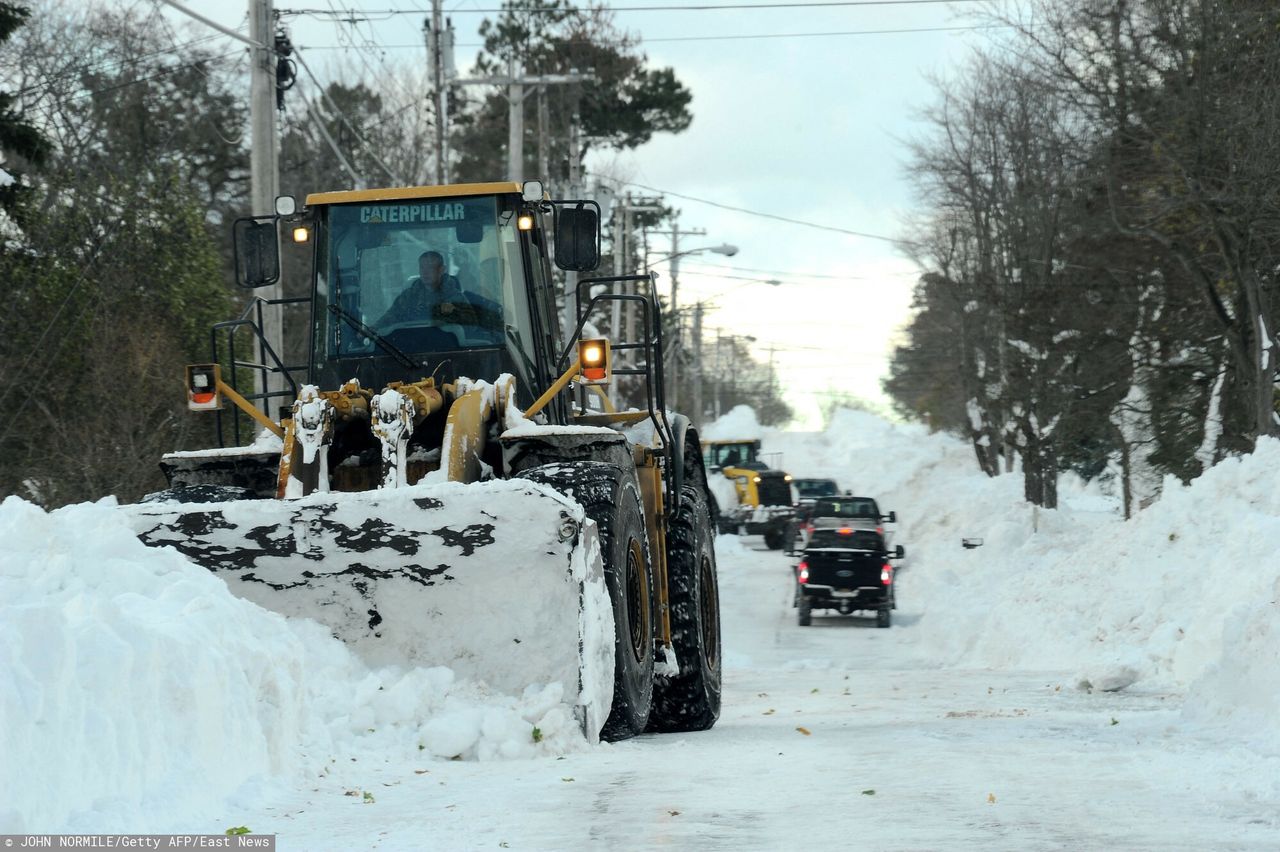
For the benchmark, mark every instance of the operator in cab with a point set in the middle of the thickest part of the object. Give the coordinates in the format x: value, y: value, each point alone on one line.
x: 438, y: 297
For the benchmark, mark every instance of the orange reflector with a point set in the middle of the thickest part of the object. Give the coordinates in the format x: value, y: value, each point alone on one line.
x: 202, y: 387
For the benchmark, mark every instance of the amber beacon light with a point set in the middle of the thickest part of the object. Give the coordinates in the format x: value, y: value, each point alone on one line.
x: 593, y: 356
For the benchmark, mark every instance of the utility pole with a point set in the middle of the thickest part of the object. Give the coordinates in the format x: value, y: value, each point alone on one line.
x: 440, y: 48
x: 515, y: 123
x: 696, y: 413
x: 624, y: 328
x: 715, y: 411
x: 516, y: 82
x: 673, y: 373
x: 570, y: 310
x: 544, y: 143
x: 265, y: 171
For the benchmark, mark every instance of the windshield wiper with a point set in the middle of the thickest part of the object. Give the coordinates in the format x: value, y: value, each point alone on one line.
x: 395, y: 351
x: 514, y: 337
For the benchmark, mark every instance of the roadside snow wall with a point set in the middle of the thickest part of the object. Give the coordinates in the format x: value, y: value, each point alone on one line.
x: 135, y: 690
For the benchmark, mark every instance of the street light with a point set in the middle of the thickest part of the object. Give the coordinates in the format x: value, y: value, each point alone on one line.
x: 724, y: 248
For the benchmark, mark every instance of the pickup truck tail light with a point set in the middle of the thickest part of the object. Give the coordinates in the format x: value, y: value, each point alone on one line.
x: 886, y: 574
x: 802, y: 572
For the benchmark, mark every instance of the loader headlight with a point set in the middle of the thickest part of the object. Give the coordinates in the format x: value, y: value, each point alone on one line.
x: 755, y: 479
x: 787, y: 478
x: 301, y: 235
x: 568, y: 528
x: 524, y: 222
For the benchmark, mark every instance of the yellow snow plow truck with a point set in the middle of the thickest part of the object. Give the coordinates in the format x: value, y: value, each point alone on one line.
x: 751, y: 496
x: 449, y: 482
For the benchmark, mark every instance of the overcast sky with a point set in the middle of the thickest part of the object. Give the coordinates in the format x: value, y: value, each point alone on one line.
x: 809, y: 127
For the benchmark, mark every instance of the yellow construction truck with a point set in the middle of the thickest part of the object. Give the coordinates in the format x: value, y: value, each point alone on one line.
x: 748, y: 495
x: 448, y: 481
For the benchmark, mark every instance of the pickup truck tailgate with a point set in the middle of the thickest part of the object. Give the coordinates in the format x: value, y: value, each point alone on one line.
x: 843, y: 569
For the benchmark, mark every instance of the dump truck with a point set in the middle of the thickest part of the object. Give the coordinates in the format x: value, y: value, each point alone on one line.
x: 749, y: 495
x: 446, y: 481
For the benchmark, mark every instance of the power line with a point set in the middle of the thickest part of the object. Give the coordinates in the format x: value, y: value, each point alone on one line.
x: 341, y: 117
x: 773, y: 216
x: 750, y: 36
x: 119, y: 65
x: 695, y: 266
x: 351, y: 14
x: 758, y: 36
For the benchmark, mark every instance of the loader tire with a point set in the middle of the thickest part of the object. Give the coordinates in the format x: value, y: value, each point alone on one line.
x: 690, y: 701
x: 611, y: 498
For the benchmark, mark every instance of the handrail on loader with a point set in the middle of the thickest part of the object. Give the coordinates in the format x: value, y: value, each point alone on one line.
x: 654, y: 378
x: 265, y: 352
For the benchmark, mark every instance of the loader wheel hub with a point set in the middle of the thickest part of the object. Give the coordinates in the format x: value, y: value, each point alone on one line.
x: 637, y: 600
x: 708, y: 603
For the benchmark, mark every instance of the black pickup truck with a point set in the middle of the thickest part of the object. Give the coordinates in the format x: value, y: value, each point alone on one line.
x: 846, y: 569
x: 846, y: 509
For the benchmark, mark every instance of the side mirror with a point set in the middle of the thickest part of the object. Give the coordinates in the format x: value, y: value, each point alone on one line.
x: 578, y: 237
x: 900, y: 552
x: 893, y: 517
x: 257, y: 251
x: 970, y: 543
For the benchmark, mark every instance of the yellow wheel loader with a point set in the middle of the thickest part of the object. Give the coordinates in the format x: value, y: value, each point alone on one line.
x: 751, y: 496
x: 450, y: 483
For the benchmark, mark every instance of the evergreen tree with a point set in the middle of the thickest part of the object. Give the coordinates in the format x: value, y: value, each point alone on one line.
x: 21, y: 145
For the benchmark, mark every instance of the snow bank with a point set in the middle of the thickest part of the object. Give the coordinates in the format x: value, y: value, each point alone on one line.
x: 738, y: 424
x: 136, y: 690
x: 1183, y: 596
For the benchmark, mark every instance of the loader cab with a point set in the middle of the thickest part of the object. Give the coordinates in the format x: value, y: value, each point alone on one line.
x: 380, y: 314
x: 744, y: 455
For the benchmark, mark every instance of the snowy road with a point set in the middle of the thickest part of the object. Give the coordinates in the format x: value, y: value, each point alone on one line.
x: 832, y: 736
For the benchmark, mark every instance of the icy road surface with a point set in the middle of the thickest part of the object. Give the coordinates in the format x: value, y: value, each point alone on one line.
x: 833, y: 736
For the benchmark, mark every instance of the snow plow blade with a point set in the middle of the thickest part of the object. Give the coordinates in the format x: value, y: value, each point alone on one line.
x: 499, y: 581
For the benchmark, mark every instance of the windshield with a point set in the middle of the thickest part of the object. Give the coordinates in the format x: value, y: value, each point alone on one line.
x: 852, y: 507
x: 816, y: 488
x: 422, y: 275
x: 730, y: 455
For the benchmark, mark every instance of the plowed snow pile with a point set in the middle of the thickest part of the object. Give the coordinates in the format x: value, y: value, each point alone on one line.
x: 135, y: 690
x: 1186, y: 596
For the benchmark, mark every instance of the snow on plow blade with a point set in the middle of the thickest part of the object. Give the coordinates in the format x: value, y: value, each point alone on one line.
x: 499, y: 581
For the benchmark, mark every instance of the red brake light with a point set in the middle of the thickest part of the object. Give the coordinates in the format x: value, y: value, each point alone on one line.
x: 803, y: 575
x: 886, y: 574
x: 880, y: 530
